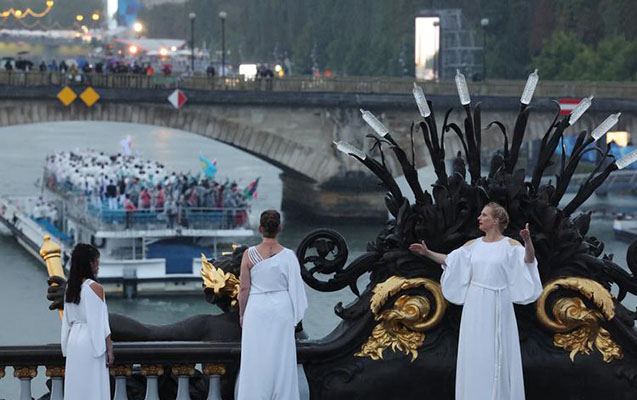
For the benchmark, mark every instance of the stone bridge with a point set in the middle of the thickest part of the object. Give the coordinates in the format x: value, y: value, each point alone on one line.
x: 293, y: 130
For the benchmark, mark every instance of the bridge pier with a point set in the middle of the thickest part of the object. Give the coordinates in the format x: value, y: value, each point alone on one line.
x: 346, y: 197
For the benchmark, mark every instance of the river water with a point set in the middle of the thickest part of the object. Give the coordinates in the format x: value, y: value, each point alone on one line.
x: 24, y: 316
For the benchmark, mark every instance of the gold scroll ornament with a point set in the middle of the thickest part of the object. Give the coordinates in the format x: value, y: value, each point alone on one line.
x: 51, y: 253
x: 402, y: 327
x: 222, y: 283
x: 578, y: 328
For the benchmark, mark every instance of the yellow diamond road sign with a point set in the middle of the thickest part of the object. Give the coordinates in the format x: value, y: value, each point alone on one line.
x: 67, y: 96
x: 89, y: 96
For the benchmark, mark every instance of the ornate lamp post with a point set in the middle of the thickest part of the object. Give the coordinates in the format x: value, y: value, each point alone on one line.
x: 223, y: 15
x: 192, y: 17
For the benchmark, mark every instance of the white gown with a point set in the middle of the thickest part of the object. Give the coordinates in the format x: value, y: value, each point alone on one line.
x: 488, y: 278
x: 276, y: 304
x: 84, y: 330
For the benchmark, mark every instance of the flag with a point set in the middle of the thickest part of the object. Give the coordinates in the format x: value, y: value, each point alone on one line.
x: 251, y: 189
x: 209, y: 167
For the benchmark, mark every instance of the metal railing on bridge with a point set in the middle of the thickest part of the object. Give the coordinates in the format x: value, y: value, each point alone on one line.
x: 378, y: 85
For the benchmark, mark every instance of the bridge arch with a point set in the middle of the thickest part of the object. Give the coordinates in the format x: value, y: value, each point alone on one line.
x: 291, y: 156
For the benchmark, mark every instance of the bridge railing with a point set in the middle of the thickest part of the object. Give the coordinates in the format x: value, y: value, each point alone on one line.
x: 381, y: 85
x: 142, y: 362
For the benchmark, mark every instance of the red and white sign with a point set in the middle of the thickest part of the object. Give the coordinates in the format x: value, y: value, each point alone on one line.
x: 177, y: 99
x: 567, y: 105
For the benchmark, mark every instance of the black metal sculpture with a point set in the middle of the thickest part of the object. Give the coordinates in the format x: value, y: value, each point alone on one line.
x: 398, y: 339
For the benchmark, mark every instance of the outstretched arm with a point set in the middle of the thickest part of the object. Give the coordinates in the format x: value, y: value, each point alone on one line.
x: 529, y: 250
x: 244, y: 285
x: 422, y: 249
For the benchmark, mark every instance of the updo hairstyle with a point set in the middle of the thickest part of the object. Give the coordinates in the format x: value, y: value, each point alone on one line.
x: 270, y: 223
x: 500, y: 213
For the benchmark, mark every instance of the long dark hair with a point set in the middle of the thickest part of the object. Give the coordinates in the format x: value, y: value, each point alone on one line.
x: 81, y: 258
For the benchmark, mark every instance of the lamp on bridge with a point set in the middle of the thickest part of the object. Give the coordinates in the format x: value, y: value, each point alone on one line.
x: 223, y: 15
x: 484, y: 22
x: 192, y: 17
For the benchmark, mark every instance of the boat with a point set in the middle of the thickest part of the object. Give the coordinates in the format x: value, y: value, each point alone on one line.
x: 152, y: 250
x: 625, y: 228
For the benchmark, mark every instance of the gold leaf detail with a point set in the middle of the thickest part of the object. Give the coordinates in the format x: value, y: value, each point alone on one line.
x: 401, y: 327
x: 222, y: 283
x: 578, y: 328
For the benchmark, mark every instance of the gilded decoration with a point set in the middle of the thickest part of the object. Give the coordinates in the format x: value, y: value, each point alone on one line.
x: 402, y: 327
x: 214, y: 369
x: 55, y: 371
x: 183, y: 370
x: 224, y: 284
x: 25, y: 372
x: 121, y: 370
x: 152, y: 370
x: 577, y: 328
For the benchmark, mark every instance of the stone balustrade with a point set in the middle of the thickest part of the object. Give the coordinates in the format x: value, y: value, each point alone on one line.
x: 141, y: 361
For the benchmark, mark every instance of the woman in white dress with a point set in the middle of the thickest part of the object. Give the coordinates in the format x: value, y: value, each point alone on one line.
x: 487, y: 275
x: 86, y: 335
x: 272, y: 302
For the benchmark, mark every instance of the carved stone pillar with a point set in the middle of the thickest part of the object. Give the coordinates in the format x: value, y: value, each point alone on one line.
x: 121, y: 372
x: 25, y: 374
x: 152, y: 374
x: 56, y: 373
x: 183, y: 373
x: 214, y: 371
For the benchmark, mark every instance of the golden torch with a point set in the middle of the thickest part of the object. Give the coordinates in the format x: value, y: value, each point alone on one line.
x: 51, y: 253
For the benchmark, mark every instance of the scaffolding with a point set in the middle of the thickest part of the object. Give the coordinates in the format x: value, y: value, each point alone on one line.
x: 459, y: 48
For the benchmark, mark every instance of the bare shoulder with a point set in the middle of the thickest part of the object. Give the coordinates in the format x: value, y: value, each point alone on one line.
x: 469, y: 243
x: 98, y: 289
x: 514, y: 242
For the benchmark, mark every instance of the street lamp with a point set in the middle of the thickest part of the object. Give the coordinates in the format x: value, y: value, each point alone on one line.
x: 484, y: 22
x: 192, y: 17
x: 138, y: 27
x: 223, y: 15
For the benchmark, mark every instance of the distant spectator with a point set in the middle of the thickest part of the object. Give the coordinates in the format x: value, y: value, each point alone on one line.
x: 43, y: 66
x: 210, y: 71
x: 8, y: 66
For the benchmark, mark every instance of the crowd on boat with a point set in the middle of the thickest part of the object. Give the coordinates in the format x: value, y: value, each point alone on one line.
x: 128, y: 183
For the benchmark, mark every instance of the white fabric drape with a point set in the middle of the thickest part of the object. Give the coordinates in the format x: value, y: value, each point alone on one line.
x: 276, y: 303
x: 83, y: 339
x: 487, y: 278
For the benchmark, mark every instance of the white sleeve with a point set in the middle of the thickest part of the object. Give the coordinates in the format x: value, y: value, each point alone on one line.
x: 66, y: 330
x: 296, y: 288
x: 95, y: 309
x: 456, y: 276
x: 525, y: 285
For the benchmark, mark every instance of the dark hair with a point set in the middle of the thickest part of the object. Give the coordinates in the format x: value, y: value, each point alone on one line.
x: 270, y: 222
x: 81, y: 258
